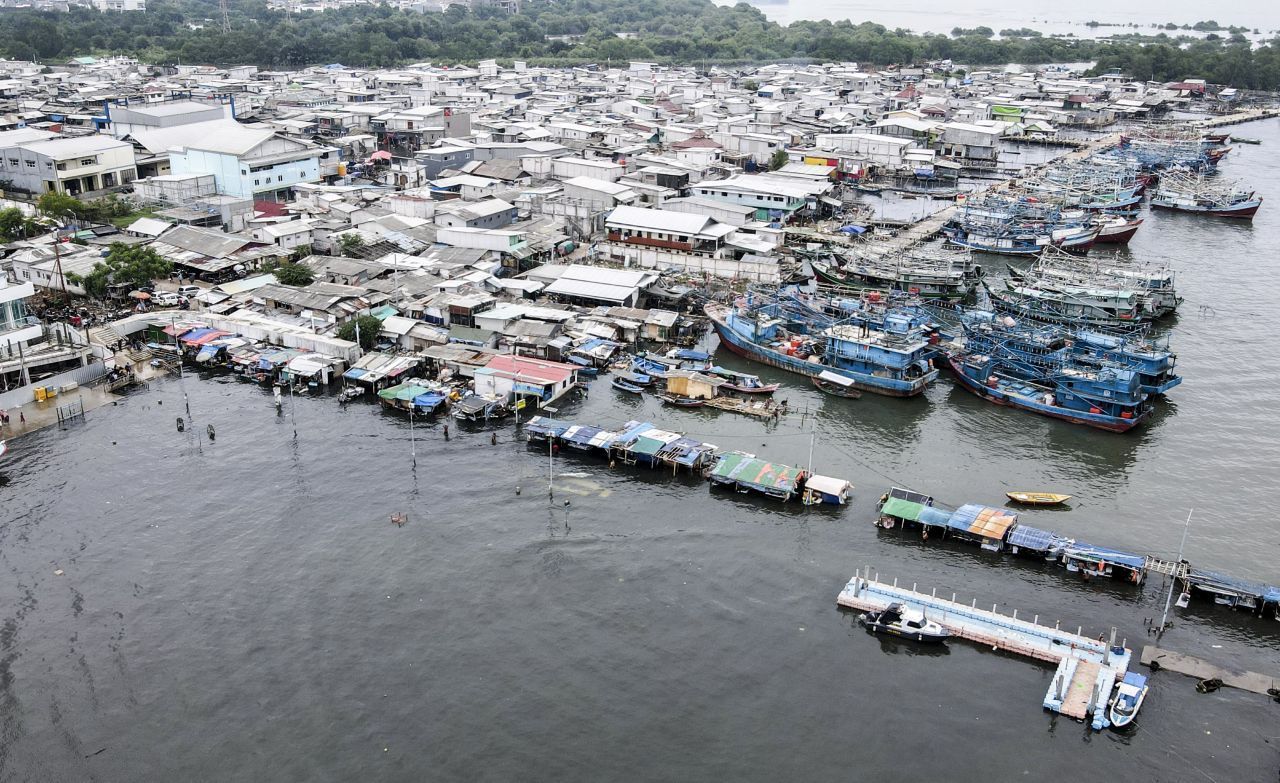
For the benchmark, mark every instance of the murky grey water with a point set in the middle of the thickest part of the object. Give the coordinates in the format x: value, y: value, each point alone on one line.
x: 243, y: 610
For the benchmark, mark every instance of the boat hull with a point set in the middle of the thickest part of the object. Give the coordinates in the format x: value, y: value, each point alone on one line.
x: 924, y: 291
x: 889, y: 387
x: 1098, y: 421
x: 1244, y: 211
x: 1119, y: 235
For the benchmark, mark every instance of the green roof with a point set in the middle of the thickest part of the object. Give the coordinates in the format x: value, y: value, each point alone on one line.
x: 1006, y: 110
x: 749, y: 470
x: 902, y: 509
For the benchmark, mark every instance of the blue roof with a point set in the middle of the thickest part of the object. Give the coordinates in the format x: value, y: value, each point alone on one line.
x: 632, y: 430
x: 354, y: 372
x: 932, y: 515
x: 583, y: 435
x: 1199, y: 576
x: 1091, y: 552
x: 852, y: 230
x: 541, y: 425
x: 1029, y: 537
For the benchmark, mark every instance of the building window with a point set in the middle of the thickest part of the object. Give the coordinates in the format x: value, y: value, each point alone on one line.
x: 256, y: 183
x: 31, y: 164
x: 87, y: 161
x: 280, y: 178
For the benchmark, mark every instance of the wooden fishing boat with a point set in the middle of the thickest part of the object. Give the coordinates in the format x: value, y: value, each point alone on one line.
x: 625, y: 386
x: 744, y: 383
x: 1038, y: 498
x: 1243, y: 140
x: 835, y: 385
x: 680, y: 401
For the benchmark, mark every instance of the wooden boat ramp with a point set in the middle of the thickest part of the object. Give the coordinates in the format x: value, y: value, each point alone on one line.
x: 1087, y: 667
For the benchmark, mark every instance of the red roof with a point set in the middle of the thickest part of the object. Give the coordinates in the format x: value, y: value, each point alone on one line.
x: 531, y: 369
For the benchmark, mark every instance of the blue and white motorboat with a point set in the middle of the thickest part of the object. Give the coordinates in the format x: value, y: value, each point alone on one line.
x: 1127, y: 700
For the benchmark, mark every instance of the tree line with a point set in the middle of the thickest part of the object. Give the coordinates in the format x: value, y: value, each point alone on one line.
x: 564, y: 32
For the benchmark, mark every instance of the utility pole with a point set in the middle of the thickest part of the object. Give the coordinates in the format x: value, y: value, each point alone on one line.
x: 1173, y: 580
x: 226, y: 20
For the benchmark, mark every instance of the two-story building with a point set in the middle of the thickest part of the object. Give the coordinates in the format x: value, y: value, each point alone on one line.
x: 75, y: 165
x: 249, y: 163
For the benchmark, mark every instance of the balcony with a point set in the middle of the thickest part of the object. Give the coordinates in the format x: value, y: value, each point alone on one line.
x: 617, y: 236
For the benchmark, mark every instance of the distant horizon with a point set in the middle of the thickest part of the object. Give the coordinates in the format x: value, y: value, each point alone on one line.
x: 939, y: 18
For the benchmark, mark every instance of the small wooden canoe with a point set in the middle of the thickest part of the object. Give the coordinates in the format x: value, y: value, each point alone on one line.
x: 1038, y: 498
x: 622, y: 385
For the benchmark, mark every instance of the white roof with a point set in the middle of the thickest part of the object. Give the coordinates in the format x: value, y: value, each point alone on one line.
x: 149, y: 226
x: 828, y: 485
x: 72, y: 146
x: 658, y: 220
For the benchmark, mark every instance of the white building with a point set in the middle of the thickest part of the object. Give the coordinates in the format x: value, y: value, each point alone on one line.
x: 77, y: 165
x: 248, y: 163
x: 661, y: 239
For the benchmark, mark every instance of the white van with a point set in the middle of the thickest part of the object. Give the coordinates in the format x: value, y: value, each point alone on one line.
x: 188, y: 291
x: 165, y: 299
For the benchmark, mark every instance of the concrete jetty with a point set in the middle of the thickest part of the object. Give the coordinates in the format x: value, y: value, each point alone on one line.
x: 1192, y: 666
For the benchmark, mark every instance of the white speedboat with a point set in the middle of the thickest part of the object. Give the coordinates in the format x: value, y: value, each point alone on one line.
x: 906, y: 623
x: 1127, y: 699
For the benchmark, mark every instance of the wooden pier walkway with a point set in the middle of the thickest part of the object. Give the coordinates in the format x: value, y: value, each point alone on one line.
x: 1204, y: 670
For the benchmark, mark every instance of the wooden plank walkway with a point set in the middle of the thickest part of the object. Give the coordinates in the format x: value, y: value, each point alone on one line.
x: 1203, y: 670
x: 1078, y: 699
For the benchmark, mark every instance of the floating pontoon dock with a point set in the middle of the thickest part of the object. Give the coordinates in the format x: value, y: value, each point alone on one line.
x: 1087, y: 668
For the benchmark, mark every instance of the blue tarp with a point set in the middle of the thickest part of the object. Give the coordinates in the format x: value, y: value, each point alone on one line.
x: 580, y: 361
x: 852, y: 230
x: 354, y: 373
x: 937, y: 517
x: 1091, y: 552
x: 428, y: 400
x: 1029, y: 537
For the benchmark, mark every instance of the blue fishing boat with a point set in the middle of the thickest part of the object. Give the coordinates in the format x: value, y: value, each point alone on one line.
x: 894, y: 359
x: 1007, y: 225
x: 1041, y: 347
x: 1108, y: 398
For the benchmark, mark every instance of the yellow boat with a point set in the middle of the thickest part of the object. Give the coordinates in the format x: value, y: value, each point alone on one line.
x: 1038, y: 498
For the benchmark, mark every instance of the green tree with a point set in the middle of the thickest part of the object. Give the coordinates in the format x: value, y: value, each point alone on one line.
x: 369, y: 327
x: 125, y: 265
x: 15, y: 224
x: 350, y: 244
x: 294, y: 274
x: 57, y: 205
x: 778, y: 160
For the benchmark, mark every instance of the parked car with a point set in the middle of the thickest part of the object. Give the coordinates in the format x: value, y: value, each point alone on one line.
x: 166, y: 299
x: 188, y: 290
